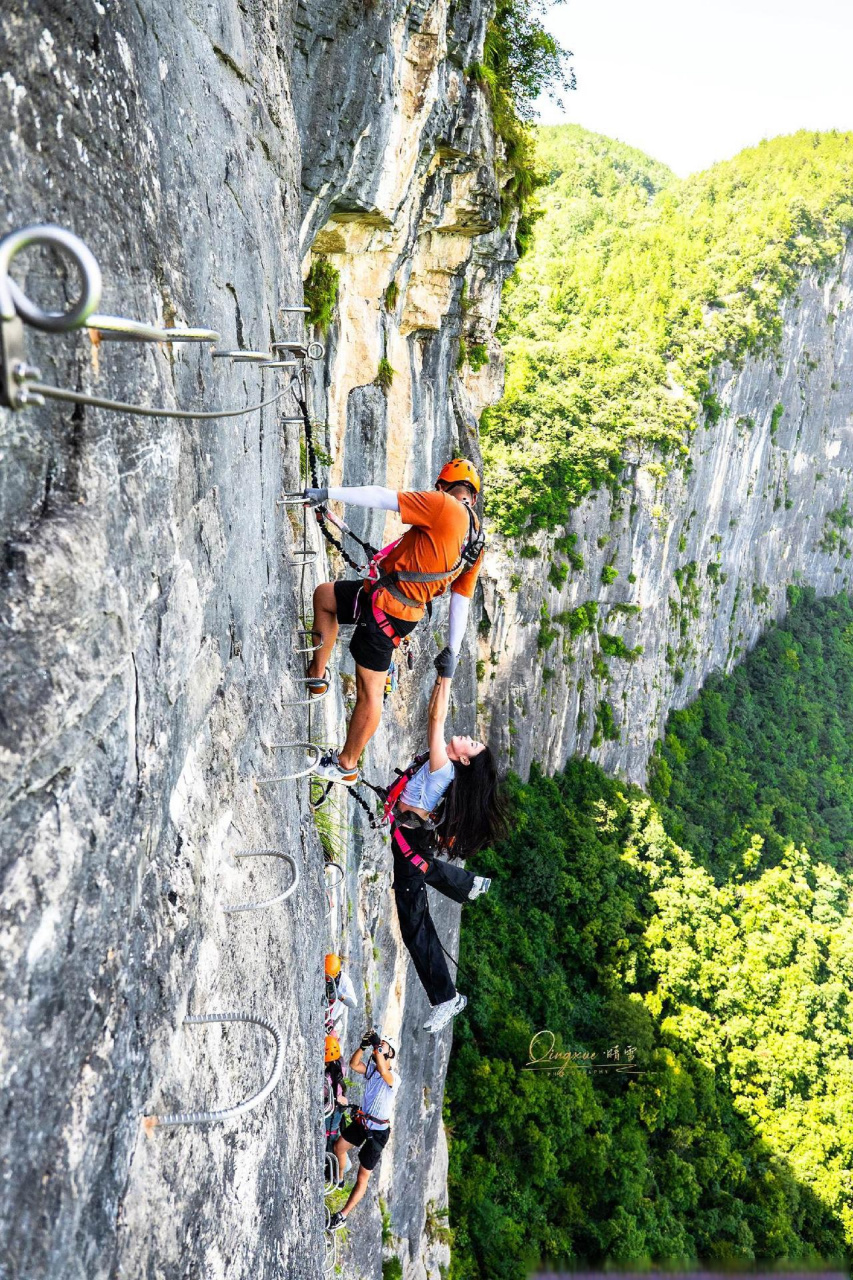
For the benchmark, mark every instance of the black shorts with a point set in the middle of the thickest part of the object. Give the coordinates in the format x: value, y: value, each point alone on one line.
x: 371, y: 1142
x: 370, y: 646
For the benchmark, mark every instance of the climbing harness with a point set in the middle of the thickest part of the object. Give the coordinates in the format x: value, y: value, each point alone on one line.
x: 365, y: 1115
x: 468, y: 556
x: 278, y: 897
x: 227, y: 1113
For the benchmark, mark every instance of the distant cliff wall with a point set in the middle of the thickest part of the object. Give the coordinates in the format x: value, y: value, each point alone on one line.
x: 703, y: 557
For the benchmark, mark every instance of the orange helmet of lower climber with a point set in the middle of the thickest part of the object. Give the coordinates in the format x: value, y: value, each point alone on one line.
x: 333, y: 965
x: 460, y: 471
x: 333, y: 1049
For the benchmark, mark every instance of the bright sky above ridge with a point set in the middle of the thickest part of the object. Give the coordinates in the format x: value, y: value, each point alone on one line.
x: 693, y: 83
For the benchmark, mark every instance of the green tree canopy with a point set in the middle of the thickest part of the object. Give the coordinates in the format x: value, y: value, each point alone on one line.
x: 636, y: 285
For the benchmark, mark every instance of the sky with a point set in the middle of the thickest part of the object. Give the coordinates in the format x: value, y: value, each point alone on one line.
x: 693, y: 83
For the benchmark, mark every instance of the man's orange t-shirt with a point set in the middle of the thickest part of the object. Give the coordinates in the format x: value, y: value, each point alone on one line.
x: 432, y: 545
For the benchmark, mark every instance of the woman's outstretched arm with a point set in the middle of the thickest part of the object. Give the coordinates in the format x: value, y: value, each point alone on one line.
x: 437, y: 713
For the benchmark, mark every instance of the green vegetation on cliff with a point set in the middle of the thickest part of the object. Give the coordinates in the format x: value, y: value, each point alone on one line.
x: 521, y: 61
x: 637, y: 284
x: 722, y: 1134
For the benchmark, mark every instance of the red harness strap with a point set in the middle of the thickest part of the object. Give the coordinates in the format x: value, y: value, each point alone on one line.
x: 394, y: 792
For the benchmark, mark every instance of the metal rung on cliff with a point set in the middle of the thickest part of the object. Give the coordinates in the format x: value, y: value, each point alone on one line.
x: 226, y: 1113
x: 311, y: 648
x: 312, y: 699
x: 20, y: 384
x: 294, y: 746
x: 276, y: 898
x: 330, y: 1257
x: 331, y: 1171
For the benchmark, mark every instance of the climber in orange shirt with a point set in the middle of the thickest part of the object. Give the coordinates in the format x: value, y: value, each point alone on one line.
x: 443, y: 548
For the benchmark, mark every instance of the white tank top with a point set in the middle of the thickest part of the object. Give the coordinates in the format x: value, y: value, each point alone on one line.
x: 425, y: 789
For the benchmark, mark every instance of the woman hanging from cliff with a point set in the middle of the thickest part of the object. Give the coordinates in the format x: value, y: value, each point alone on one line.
x: 445, y: 801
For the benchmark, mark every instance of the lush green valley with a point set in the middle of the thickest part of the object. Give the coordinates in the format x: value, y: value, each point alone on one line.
x: 700, y: 944
x: 635, y: 286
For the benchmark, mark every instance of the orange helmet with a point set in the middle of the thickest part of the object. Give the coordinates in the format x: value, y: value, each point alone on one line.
x: 333, y: 1049
x: 460, y: 471
x: 333, y: 965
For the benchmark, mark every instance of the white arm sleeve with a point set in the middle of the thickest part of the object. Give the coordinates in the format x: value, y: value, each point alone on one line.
x: 346, y: 991
x: 459, y: 606
x: 367, y: 495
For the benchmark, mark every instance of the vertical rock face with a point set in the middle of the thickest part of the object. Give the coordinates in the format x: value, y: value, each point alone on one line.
x: 400, y: 195
x: 762, y: 503
x: 147, y: 636
x: 149, y: 602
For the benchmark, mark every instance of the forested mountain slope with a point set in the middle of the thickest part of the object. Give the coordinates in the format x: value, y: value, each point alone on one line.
x: 709, y: 974
x: 674, y: 447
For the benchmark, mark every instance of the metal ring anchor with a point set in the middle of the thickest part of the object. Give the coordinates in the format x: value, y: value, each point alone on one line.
x: 227, y: 1113
x: 313, y: 350
x: 278, y: 897
x: 13, y: 300
x: 292, y: 746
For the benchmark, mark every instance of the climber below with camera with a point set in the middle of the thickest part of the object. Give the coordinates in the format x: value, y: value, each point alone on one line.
x: 371, y: 1126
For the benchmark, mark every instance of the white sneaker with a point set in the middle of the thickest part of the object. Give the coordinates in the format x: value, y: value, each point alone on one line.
x: 328, y: 767
x: 442, y: 1013
x: 481, y: 885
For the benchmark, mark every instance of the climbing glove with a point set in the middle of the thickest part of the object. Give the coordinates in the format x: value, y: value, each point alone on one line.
x: 316, y: 497
x: 445, y: 663
x: 375, y: 1040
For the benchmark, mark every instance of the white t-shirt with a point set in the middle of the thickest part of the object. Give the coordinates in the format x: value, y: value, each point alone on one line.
x: 378, y: 1096
x: 425, y: 789
x: 344, y: 999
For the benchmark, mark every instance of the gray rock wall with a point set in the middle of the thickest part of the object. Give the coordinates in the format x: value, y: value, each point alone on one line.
x: 148, y: 607
x: 149, y: 600
x: 147, y: 636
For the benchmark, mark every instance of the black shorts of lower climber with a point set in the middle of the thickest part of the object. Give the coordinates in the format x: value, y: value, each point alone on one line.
x: 370, y: 647
x: 371, y: 1142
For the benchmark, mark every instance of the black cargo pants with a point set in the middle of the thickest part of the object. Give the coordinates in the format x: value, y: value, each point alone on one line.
x: 416, y: 926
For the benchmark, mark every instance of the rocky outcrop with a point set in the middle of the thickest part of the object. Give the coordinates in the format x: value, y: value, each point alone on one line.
x: 149, y: 602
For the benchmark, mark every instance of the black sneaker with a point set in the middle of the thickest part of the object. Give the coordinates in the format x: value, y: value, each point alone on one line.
x: 336, y: 1221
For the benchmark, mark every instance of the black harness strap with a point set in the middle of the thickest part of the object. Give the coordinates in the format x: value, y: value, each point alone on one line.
x: 320, y: 511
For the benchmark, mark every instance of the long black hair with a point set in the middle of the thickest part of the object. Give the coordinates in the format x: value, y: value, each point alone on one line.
x: 474, y: 812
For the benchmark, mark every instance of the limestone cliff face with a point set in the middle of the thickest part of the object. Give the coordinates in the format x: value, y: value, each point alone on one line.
x: 150, y: 601
x: 147, y: 620
x: 400, y: 195
x: 761, y: 504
